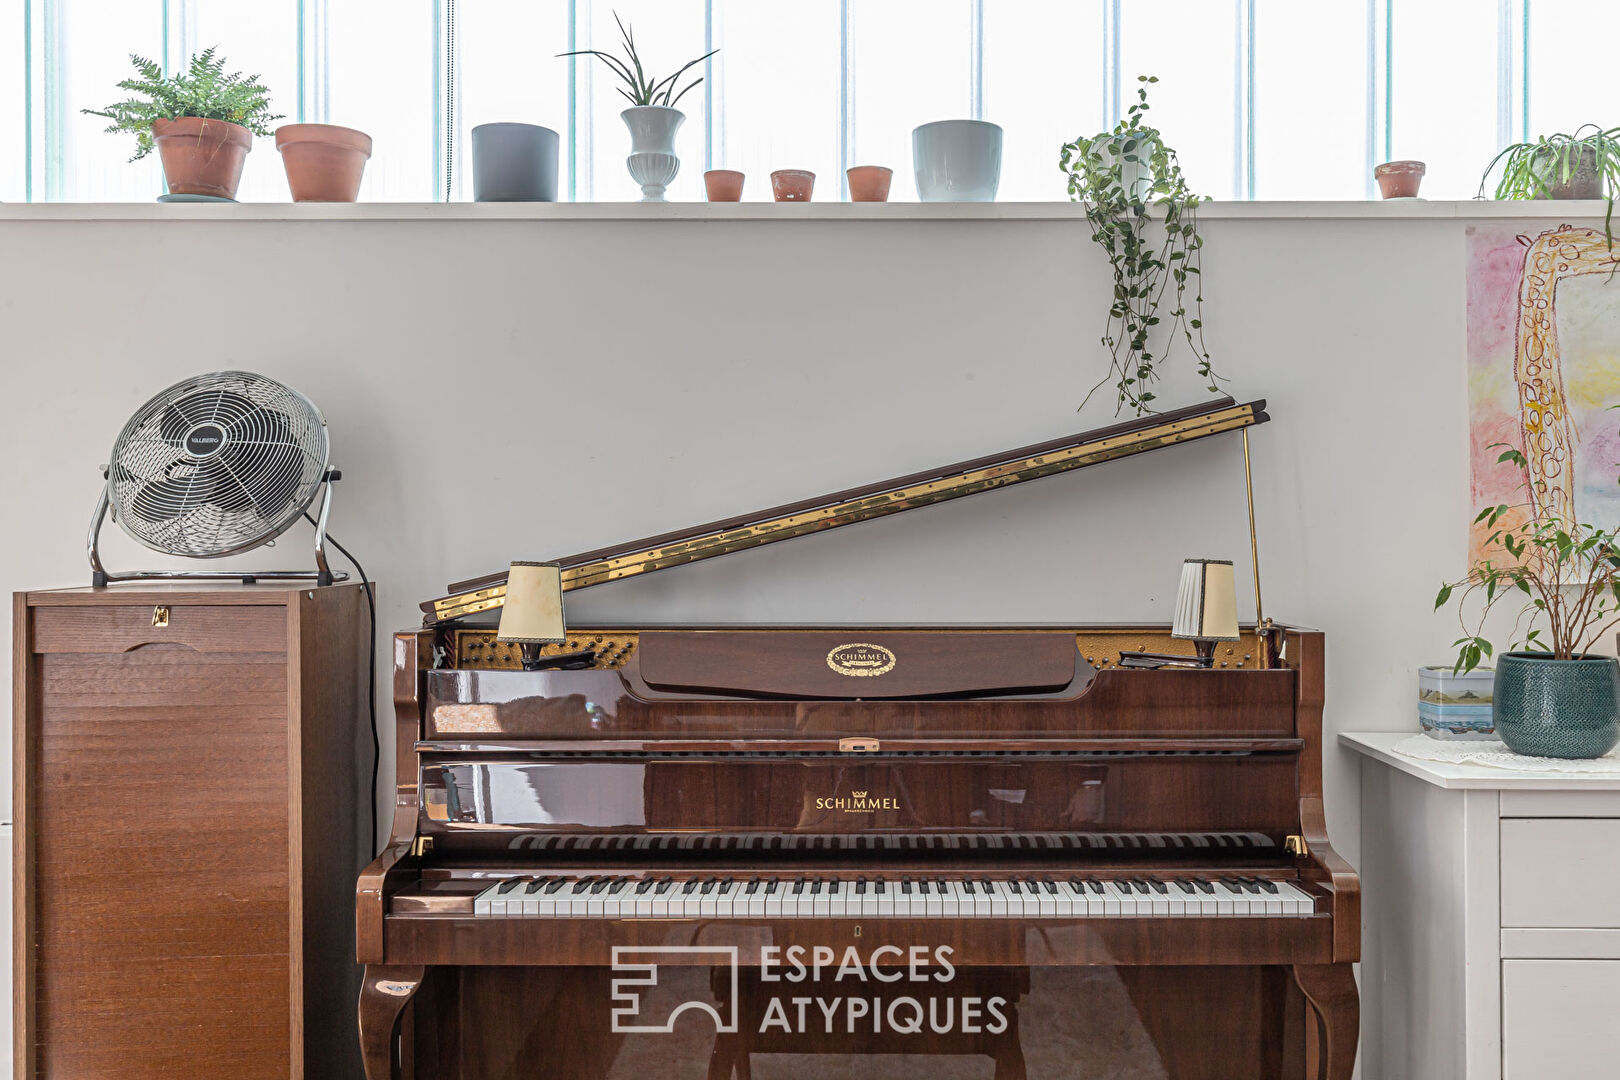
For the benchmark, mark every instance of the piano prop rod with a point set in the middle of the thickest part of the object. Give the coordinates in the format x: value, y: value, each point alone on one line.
x: 863, y: 504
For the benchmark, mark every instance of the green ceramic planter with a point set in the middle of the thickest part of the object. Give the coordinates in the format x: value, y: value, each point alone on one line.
x: 1557, y: 708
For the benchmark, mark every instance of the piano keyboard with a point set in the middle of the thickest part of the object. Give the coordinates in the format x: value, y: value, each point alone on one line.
x: 987, y: 841
x: 789, y: 897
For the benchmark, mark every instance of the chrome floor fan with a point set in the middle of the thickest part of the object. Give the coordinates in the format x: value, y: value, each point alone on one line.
x: 217, y: 465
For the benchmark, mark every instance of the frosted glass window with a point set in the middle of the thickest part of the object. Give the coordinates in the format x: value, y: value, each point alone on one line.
x: 1191, y: 45
x: 382, y: 76
x: 777, y: 83
x: 668, y: 34
x: 87, y: 55
x: 13, y: 106
x: 1571, y: 85
x: 260, y: 38
x: 508, y: 72
x: 1275, y: 98
x: 1310, y: 101
x: 1443, y: 93
x: 1043, y: 68
x: 913, y: 63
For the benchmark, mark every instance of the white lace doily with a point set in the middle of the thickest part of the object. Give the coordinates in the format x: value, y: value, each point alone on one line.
x: 1493, y: 753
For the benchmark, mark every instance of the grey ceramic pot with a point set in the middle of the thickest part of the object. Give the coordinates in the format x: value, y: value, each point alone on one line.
x: 1557, y: 708
x: 514, y: 163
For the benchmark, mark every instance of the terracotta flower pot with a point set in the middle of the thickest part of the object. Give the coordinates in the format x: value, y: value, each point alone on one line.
x: 792, y: 185
x: 202, y: 157
x: 324, y: 162
x: 1399, y: 179
x: 723, y: 185
x: 869, y: 183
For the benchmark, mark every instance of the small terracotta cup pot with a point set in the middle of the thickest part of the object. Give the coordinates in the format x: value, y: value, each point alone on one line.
x: 1399, y: 179
x: 202, y: 157
x: 869, y: 183
x: 792, y: 185
x: 723, y: 185
x: 324, y: 162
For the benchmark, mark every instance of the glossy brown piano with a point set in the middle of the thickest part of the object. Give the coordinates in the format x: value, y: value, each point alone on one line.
x: 896, y: 851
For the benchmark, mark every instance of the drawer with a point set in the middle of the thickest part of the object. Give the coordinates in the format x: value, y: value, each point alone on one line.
x: 1559, y: 872
x: 1558, y: 1018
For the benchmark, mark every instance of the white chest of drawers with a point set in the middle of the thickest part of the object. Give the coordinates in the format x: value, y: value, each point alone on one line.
x: 1491, y: 920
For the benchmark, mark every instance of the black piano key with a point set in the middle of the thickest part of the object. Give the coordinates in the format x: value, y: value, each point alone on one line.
x: 967, y: 886
x: 798, y: 886
x: 664, y: 885
x: 1139, y: 885
x: 645, y: 884
x: 860, y: 886
x: 556, y: 883
x: 984, y: 884
x: 1051, y: 886
x: 690, y: 886
x: 905, y: 885
x: 582, y: 884
x: 878, y: 886
x: 708, y: 886
x: 753, y: 887
x: 815, y: 887
x: 770, y: 886
x: 1095, y: 887
x: 508, y: 885
x: 617, y: 885
x: 1012, y: 884
x: 1158, y: 886
x: 600, y: 885
x: 1204, y: 886
x: 534, y: 886
x: 1268, y: 885
x: 1232, y: 884
x: 832, y: 887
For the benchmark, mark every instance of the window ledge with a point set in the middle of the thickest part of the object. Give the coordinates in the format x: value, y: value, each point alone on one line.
x: 764, y: 211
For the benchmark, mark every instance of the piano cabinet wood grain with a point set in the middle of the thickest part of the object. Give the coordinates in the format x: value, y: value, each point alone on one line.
x: 188, y: 829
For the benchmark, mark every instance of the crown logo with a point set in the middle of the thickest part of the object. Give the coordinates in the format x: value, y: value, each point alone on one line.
x: 859, y: 794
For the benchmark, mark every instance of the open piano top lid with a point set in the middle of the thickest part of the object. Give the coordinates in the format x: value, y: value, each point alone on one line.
x: 864, y: 503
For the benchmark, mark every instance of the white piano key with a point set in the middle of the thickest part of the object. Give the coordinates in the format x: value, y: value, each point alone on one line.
x: 1296, y: 901
x: 1048, y: 901
x: 885, y: 899
x: 482, y: 901
x: 1177, y: 898
x: 821, y: 902
x: 838, y: 898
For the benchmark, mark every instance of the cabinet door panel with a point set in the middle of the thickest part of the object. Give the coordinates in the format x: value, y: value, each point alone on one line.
x: 1558, y: 1018
x: 1560, y: 872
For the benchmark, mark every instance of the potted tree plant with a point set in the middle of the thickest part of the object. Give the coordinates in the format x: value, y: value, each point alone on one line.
x: 201, y: 122
x: 1145, y: 218
x: 1552, y: 697
x: 1585, y: 165
x: 652, y: 117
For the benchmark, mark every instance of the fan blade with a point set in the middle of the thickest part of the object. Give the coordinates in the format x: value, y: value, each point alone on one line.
x: 163, y: 500
x: 264, y: 464
x: 219, y: 406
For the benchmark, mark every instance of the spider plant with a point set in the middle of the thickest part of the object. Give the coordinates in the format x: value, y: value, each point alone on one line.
x: 1548, y: 167
x: 643, y: 89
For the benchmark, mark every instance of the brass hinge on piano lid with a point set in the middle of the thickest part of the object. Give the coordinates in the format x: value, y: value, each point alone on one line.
x: 421, y: 845
x: 1295, y: 845
x: 857, y: 746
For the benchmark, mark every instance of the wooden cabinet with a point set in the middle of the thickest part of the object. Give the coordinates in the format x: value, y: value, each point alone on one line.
x: 190, y: 772
x: 1491, y: 920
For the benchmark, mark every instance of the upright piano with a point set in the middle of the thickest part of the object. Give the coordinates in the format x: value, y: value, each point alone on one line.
x: 829, y: 851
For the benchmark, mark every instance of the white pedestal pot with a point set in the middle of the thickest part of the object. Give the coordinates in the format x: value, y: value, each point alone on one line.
x: 652, y: 161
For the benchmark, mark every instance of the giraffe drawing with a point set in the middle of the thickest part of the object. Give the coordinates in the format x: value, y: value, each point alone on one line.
x: 1546, y: 429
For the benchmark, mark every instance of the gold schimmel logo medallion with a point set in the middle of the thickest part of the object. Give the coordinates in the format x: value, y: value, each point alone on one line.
x: 858, y: 659
x: 858, y: 802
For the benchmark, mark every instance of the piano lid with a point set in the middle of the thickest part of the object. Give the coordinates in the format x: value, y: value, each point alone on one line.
x: 865, y: 503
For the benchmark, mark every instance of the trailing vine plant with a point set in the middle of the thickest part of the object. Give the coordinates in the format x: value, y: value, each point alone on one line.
x: 1145, y: 218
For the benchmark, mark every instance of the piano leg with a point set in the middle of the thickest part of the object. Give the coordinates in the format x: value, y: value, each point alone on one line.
x: 1335, y: 1021
x: 384, y: 992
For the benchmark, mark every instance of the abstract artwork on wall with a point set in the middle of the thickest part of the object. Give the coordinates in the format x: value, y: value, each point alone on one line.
x: 1543, y: 369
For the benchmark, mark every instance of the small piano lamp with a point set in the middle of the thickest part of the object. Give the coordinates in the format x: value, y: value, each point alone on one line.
x: 532, y: 615
x: 1206, y: 606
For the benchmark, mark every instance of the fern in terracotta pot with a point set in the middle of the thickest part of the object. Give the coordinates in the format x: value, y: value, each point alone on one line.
x: 1553, y: 696
x: 201, y: 122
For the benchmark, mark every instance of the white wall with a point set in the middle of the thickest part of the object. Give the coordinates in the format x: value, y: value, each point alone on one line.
x: 501, y: 389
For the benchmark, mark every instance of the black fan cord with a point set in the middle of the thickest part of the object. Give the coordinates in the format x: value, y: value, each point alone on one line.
x: 371, y: 681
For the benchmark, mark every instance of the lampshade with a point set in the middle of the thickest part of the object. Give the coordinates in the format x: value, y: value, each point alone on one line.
x: 1206, y: 605
x: 533, y: 612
